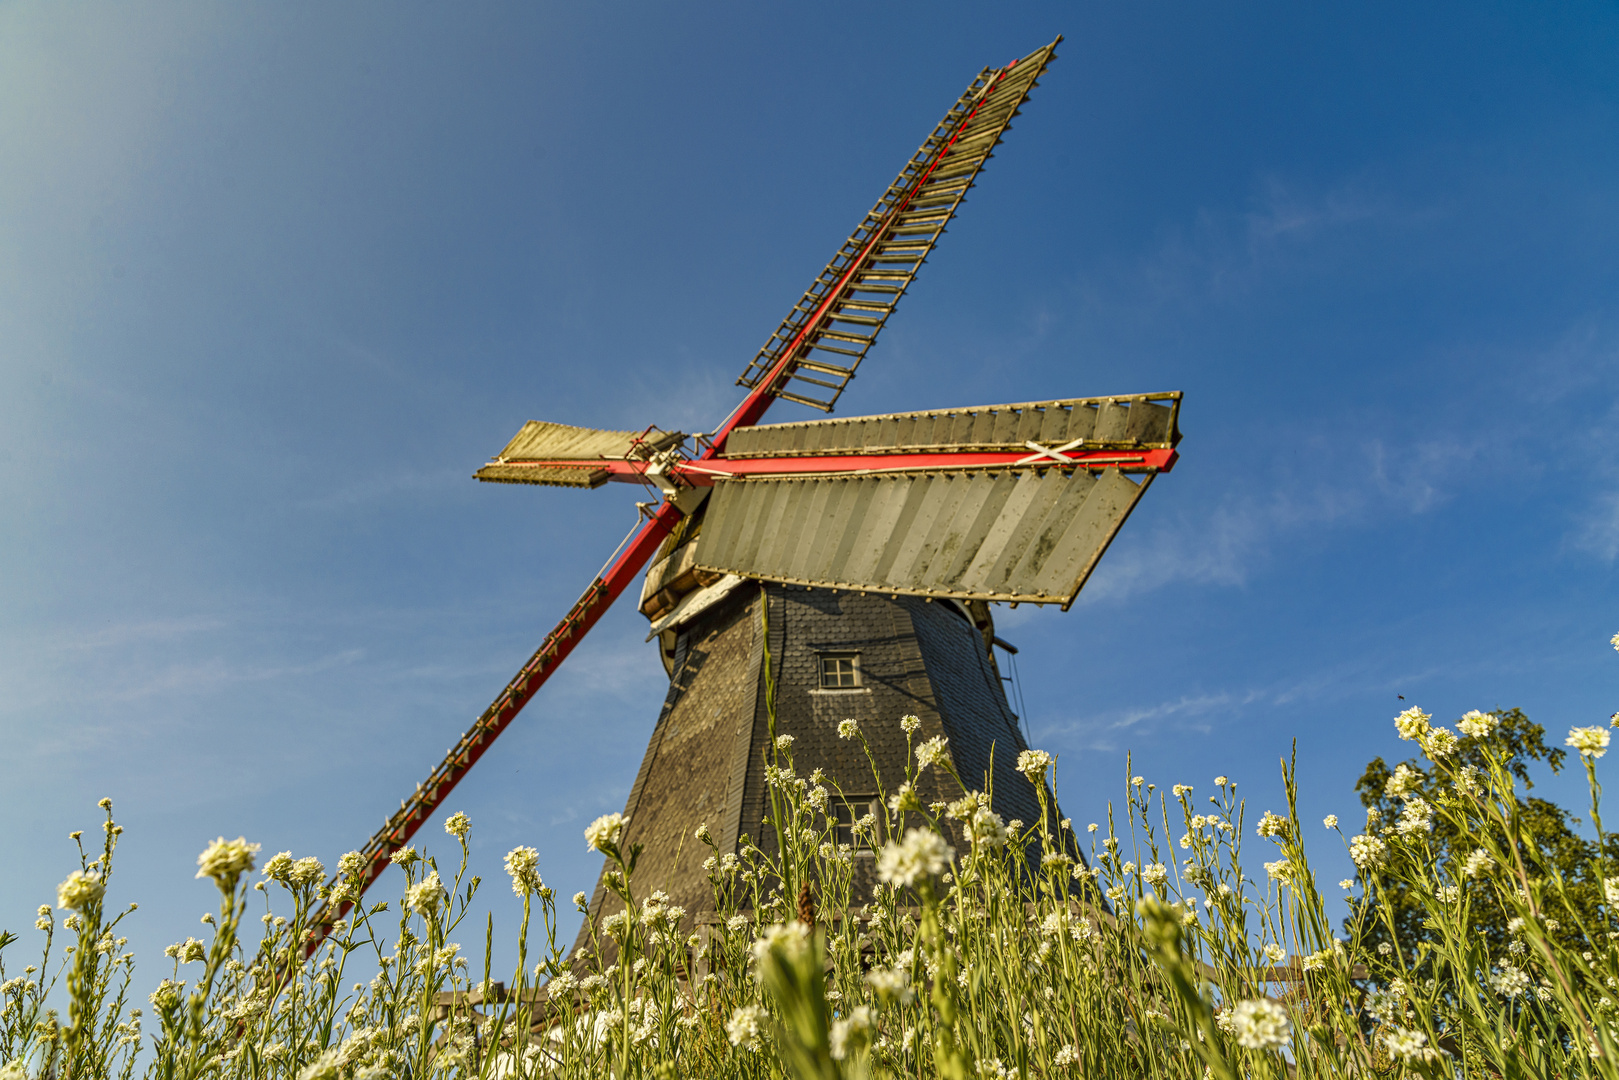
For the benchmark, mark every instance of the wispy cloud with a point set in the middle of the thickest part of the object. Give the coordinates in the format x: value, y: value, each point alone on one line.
x: 1221, y: 542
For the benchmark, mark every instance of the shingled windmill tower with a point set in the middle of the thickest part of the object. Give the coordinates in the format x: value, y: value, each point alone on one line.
x: 837, y: 568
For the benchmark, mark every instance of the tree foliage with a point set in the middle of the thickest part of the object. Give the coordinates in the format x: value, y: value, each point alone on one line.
x: 1557, y: 847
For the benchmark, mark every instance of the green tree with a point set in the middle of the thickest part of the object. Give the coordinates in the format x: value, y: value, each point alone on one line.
x: 1557, y: 847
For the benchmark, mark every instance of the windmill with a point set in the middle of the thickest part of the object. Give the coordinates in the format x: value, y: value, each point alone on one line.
x: 838, y: 568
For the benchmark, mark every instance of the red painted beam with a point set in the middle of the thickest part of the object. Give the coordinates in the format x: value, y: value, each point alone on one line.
x: 619, y: 575
x: 706, y: 472
x: 703, y: 472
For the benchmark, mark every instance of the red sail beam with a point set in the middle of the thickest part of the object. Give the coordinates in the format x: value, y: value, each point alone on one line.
x: 706, y: 471
x: 586, y: 612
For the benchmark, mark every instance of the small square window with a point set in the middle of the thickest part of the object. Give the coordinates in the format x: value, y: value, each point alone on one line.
x: 845, y: 811
x: 840, y: 671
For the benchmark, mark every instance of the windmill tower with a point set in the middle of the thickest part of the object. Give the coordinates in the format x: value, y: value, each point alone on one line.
x: 839, y: 568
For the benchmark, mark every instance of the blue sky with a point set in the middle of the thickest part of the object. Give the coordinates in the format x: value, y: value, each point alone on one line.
x: 274, y: 279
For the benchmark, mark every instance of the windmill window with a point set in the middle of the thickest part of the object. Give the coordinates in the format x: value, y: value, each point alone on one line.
x: 844, y: 812
x: 840, y: 671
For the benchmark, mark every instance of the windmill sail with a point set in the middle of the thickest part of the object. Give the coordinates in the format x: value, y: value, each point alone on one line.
x: 826, y: 335
x: 948, y: 518
x: 560, y: 455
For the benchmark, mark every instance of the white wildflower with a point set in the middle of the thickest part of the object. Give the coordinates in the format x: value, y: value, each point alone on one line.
x: 1260, y: 1024
x: 226, y: 860
x: 1477, y: 725
x: 307, y: 871
x: 425, y: 896
x: 1282, y: 870
x: 604, y: 832
x: 1406, y: 1045
x: 1417, y: 817
x: 792, y: 939
x: 1330, y: 821
x: 892, y: 986
x: 82, y: 888
x: 1440, y: 743
x: 744, y: 1027
x: 920, y: 854
x: 851, y: 1033
x: 1033, y: 765
x: 1272, y: 825
x: 1592, y: 742
x: 1510, y: 981
x: 458, y: 825
x: 848, y: 729
x: 932, y: 752
x: 523, y: 867
x: 1368, y: 852
x: 904, y: 798
x: 1400, y: 784
x: 1477, y: 863
x: 1412, y: 724
x: 987, y: 829
x: 909, y: 724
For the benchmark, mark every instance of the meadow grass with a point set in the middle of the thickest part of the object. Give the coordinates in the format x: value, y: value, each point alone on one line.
x: 988, y: 950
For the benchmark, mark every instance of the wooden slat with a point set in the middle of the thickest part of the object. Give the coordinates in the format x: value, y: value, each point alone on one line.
x: 1086, y: 535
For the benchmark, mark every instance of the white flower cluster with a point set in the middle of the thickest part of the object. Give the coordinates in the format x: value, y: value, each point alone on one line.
x: 986, y: 829
x: 920, y: 854
x: 1440, y: 743
x: 523, y: 867
x: 850, y: 1033
x: 933, y: 752
x: 1510, y: 981
x: 1415, y: 818
x: 188, y: 951
x: 1033, y: 765
x: 791, y: 939
x: 1591, y: 742
x: 1399, y: 785
x: 1406, y: 1045
x: 1478, y: 725
x: 226, y: 860
x: 1283, y: 871
x: 848, y: 729
x: 1368, y: 852
x: 605, y: 831
x: 81, y: 889
x: 426, y: 895
x: 1272, y: 825
x: 1412, y: 724
x: 892, y: 986
x: 746, y: 1026
x: 458, y: 825
x: 1260, y: 1024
